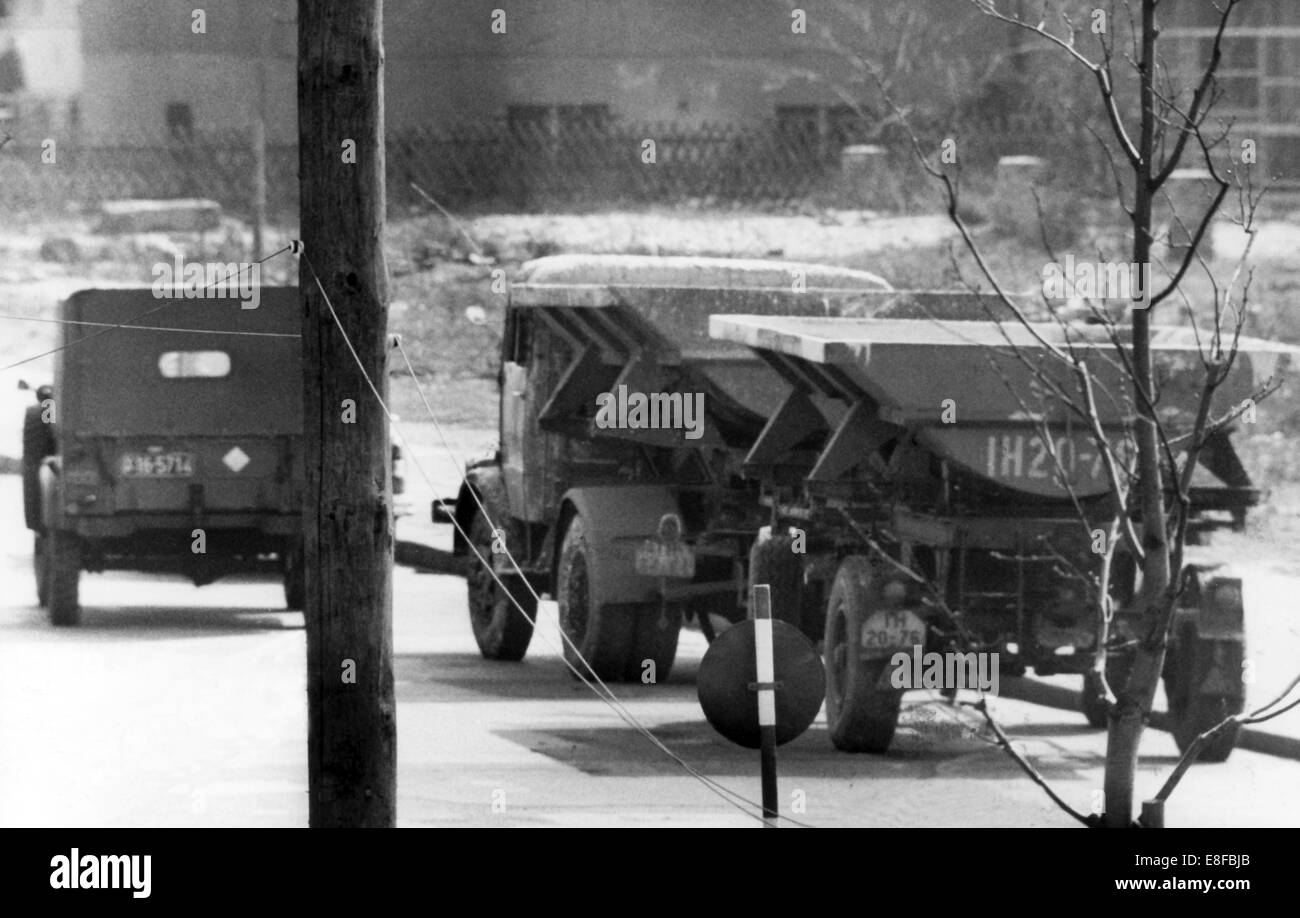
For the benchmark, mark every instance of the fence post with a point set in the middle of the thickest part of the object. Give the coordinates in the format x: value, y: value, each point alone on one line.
x: 1014, y: 208
x: 862, y: 171
x: 257, y: 140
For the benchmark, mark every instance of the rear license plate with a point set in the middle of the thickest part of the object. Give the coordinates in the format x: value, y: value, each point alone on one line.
x: 889, y: 631
x: 156, y: 465
x: 665, y: 559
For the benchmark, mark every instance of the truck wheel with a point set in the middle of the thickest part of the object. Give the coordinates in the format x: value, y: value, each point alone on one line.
x: 295, y: 580
x: 64, y: 567
x: 501, y: 632
x: 861, y: 716
x: 1192, y: 712
x: 603, y: 633
x: 1092, y: 700
x: 657, y: 629
x: 41, y: 561
x: 771, y: 561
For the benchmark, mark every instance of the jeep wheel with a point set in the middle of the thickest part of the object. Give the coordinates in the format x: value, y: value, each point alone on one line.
x: 1191, y: 712
x: 1092, y: 700
x: 502, y: 633
x: 64, y: 568
x: 41, y: 561
x: 295, y: 580
x: 601, y: 633
x: 860, y: 715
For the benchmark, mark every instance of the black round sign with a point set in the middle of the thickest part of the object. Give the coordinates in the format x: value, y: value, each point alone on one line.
x: 728, y: 671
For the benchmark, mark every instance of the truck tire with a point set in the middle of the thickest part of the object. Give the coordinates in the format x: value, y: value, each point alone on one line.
x: 657, y: 629
x: 501, y: 632
x: 861, y: 716
x: 64, y: 568
x: 771, y: 561
x: 597, y: 633
x: 1192, y: 712
x: 1092, y: 700
x: 38, y: 442
x: 41, y: 561
x: 295, y: 580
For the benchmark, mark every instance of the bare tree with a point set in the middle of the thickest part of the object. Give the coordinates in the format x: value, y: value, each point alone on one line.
x: 1151, y: 126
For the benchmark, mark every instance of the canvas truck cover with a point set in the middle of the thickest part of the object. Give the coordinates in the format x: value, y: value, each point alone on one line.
x: 162, y: 373
x: 193, y: 408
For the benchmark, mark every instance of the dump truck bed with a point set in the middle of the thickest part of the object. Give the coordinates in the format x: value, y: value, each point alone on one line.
x: 911, y: 366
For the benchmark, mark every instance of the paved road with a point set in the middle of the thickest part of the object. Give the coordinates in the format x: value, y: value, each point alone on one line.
x: 180, y: 706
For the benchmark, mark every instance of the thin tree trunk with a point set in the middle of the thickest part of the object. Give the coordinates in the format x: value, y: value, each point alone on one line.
x: 1136, y: 698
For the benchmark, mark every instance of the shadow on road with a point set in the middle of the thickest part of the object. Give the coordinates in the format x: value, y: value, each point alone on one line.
x: 918, y: 752
x: 168, y: 622
x: 455, y: 676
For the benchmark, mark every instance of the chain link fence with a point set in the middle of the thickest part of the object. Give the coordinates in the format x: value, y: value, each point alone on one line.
x: 486, y: 166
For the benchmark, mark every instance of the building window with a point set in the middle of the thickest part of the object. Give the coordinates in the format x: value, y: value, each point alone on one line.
x: 180, y: 120
x: 1259, y: 82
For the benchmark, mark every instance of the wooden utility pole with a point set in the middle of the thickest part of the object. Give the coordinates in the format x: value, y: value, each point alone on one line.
x: 348, y: 524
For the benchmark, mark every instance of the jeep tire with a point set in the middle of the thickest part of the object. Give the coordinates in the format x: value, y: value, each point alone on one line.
x: 295, y: 579
x: 41, y: 561
x: 63, y: 566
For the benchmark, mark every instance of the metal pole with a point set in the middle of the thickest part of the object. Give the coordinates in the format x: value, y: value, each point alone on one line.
x: 761, y: 600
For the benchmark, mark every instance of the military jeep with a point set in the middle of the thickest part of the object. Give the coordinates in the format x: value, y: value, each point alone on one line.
x: 170, y: 444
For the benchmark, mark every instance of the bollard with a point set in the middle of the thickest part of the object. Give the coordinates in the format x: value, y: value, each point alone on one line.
x: 761, y: 599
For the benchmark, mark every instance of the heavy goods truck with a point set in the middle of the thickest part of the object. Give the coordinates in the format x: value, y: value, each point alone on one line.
x: 868, y: 453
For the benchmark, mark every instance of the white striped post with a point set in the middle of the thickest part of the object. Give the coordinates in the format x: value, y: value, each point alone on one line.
x: 761, y: 600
